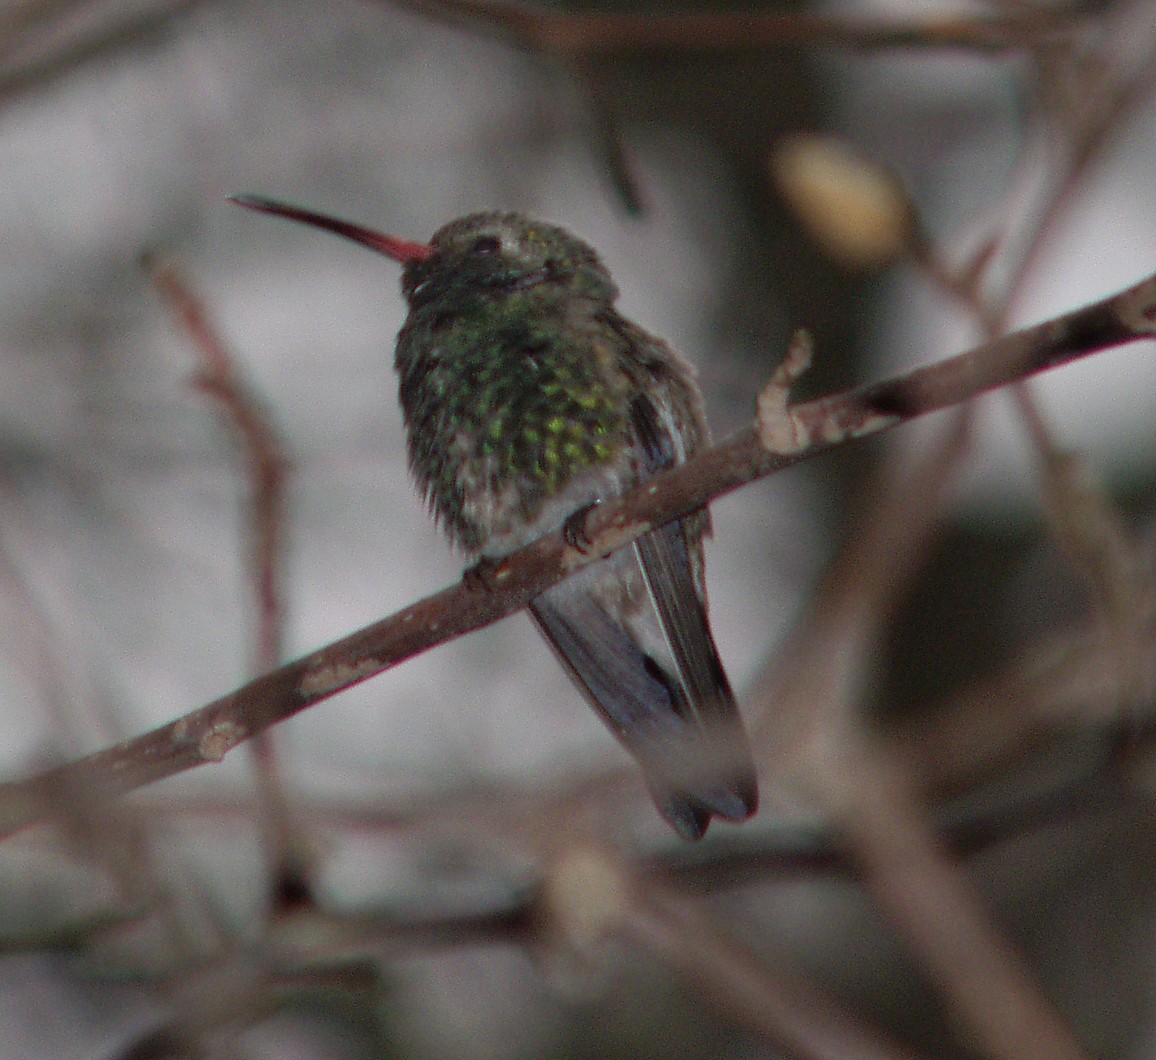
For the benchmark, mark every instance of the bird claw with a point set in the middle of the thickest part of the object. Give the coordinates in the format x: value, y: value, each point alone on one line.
x: 574, y: 528
x: 484, y: 575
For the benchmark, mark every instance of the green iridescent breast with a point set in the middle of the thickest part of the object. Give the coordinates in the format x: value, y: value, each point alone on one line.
x: 505, y: 405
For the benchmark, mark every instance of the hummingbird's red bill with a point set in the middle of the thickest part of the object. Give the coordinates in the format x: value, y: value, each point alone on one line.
x: 402, y: 250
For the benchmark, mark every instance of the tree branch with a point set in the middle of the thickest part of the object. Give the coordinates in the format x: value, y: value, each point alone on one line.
x: 574, y: 34
x: 807, y: 429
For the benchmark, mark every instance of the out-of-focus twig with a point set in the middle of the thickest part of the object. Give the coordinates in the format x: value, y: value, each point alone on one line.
x: 778, y: 1001
x: 610, y: 142
x: 588, y: 894
x: 1087, y: 93
x: 820, y: 742
x: 1087, y: 99
x: 40, y: 41
x: 1069, y: 683
x: 114, y: 839
x: 1086, y: 88
x: 267, y: 468
x: 1089, y: 529
x: 36, y: 647
x: 572, y: 34
x: 985, y: 983
x: 765, y: 851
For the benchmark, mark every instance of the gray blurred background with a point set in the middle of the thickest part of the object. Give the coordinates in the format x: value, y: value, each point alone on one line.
x: 124, y: 126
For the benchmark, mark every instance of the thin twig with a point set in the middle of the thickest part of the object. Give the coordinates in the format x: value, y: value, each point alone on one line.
x: 59, y: 57
x: 778, y: 1001
x: 574, y: 34
x: 501, y: 916
x: 820, y: 742
x: 267, y: 467
x: 986, y: 983
x: 1088, y: 114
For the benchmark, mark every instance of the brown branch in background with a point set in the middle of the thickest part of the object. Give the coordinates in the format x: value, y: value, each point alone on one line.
x: 574, y: 34
x: 1083, y: 115
x: 588, y: 895
x: 207, y: 734
x: 41, y: 657
x: 580, y: 897
x: 267, y: 468
x: 1061, y: 686
x: 19, y: 20
x: 1083, y: 120
x: 760, y: 989
x: 611, y: 145
x: 1092, y: 534
x: 808, y: 849
x: 42, y: 41
x: 1079, y: 510
x: 819, y: 744
x: 584, y: 898
x: 811, y: 849
x: 264, y: 451
x: 113, y: 839
x: 579, y: 38
x: 986, y: 985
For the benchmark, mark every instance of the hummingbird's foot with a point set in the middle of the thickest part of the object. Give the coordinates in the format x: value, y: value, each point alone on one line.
x: 485, y: 575
x: 574, y: 528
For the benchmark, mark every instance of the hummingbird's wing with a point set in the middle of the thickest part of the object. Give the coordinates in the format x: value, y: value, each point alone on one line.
x: 633, y: 632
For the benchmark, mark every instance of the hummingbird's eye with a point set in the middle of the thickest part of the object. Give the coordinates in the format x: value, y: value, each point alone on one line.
x: 486, y: 245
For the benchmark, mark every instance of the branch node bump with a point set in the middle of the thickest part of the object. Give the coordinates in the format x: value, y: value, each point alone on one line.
x: 1136, y: 307
x: 219, y: 740
x: 332, y: 675
x: 780, y: 431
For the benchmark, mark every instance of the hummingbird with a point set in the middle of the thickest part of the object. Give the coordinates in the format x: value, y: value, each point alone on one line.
x: 527, y: 398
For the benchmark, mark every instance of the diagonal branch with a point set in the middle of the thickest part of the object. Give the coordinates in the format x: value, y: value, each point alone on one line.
x: 574, y: 34
x: 267, y: 475
x: 205, y: 735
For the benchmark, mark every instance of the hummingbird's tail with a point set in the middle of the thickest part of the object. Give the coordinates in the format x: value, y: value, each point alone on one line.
x: 700, y: 779
x: 689, y: 813
x: 693, y: 749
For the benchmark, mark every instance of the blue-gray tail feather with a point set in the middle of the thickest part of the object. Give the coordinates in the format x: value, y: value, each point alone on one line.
x: 694, y: 752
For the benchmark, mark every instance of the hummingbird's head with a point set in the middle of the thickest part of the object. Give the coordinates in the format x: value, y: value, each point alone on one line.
x: 482, y: 254
x: 505, y: 253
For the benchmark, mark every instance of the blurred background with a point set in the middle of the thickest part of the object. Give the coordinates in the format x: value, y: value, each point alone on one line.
x: 155, y: 926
